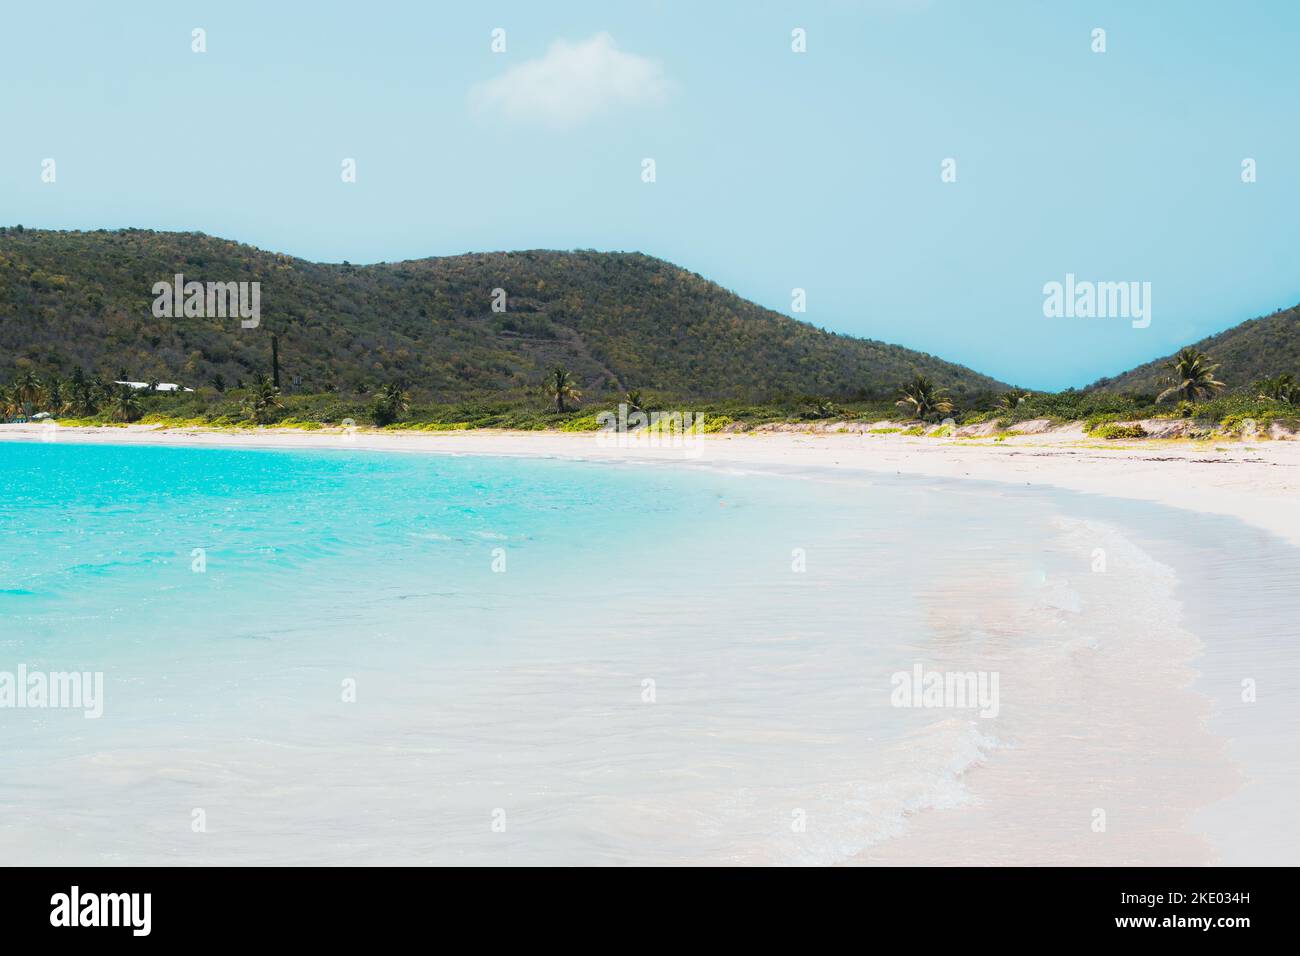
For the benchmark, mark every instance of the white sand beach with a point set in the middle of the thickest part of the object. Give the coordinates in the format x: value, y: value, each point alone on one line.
x: 1257, y: 482
x: 1087, y: 713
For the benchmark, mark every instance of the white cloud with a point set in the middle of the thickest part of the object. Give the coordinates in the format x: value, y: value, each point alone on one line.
x: 572, y: 83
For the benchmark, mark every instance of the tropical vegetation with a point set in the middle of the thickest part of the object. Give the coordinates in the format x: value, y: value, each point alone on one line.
x: 1192, y: 377
x: 561, y: 390
x: 415, y: 345
x: 391, y: 403
x: 614, y: 320
x: 923, y: 399
x: 261, y: 400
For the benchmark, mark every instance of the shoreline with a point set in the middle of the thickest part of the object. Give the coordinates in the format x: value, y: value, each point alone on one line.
x: 1256, y: 482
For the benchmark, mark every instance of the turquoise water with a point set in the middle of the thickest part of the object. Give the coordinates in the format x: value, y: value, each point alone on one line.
x: 383, y: 657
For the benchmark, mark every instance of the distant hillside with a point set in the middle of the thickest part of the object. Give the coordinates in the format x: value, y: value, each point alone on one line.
x: 1260, y: 348
x: 621, y: 320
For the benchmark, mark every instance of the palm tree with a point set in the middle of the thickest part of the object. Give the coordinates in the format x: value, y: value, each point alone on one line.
x: 1281, y: 389
x: 923, y: 398
x: 633, y: 400
x: 105, y: 389
x: 823, y: 408
x: 391, y: 403
x: 55, y: 396
x: 1193, y: 376
x: 262, y: 399
x: 10, y: 407
x: 84, y: 399
x: 124, y: 404
x: 560, y: 387
x: 1011, y: 399
x: 78, y: 395
x: 27, y: 390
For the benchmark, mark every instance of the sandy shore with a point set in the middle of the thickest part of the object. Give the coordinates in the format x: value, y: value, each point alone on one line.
x: 1256, y: 482
x: 1134, y: 732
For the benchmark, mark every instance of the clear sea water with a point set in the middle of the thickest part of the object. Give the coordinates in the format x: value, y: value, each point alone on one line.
x: 408, y: 658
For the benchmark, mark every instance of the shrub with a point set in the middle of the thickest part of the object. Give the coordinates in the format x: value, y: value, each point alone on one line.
x: 586, y: 423
x: 1236, y: 424
x: 1113, y: 431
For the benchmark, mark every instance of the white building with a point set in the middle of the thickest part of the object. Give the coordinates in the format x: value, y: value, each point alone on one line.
x: 162, y: 386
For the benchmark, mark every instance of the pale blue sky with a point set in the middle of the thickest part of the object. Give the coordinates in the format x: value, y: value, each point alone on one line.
x: 774, y: 169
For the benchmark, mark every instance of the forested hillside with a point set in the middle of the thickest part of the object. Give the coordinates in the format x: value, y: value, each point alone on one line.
x: 1246, y: 353
x: 616, y: 320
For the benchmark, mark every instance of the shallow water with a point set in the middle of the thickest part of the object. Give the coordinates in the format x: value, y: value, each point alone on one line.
x: 594, y: 663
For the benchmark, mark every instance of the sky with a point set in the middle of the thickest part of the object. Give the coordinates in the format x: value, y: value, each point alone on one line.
x: 774, y: 170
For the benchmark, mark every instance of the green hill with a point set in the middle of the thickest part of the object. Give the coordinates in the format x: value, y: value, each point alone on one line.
x: 1246, y: 353
x: 617, y: 320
